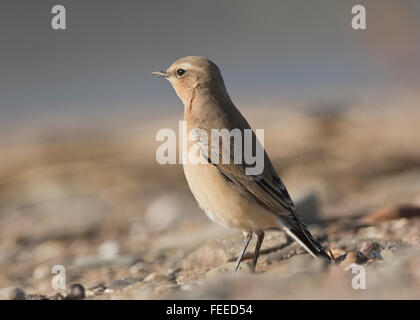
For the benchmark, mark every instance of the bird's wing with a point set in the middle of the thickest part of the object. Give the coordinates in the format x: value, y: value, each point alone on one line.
x: 266, y: 188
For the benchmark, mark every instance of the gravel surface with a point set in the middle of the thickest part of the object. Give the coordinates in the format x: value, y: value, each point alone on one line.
x: 123, y: 227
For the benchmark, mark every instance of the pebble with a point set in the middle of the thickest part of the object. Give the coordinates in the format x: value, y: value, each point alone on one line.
x: 172, y: 273
x: 41, y: 272
x: 157, y: 278
x: 75, y: 292
x: 108, y: 249
x: 353, y: 257
x: 90, y: 293
x: 120, y: 284
x: 137, y: 267
x: 98, y: 288
x: 371, y: 250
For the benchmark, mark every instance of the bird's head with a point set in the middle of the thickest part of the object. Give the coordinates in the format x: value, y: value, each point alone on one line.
x: 190, y: 73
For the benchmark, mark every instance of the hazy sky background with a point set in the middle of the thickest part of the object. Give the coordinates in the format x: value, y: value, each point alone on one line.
x: 270, y: 50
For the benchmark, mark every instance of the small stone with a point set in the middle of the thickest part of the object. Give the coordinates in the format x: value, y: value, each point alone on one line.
x: 150, y: 277
x: 371, y: 250
x: 137, y: 267
x: 12, y: 293
x: 108, y: 250
x: 172, y: 274
x: 120, y: 284
x: 157, y: 278
x: 89, y: 293
x: 98, y: 288
x: 75, y: 292
x: 353, y: 257
x: 40, y: 272
x: 180, y: 279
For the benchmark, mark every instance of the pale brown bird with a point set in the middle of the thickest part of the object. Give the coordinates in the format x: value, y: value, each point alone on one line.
x: 230, y: 197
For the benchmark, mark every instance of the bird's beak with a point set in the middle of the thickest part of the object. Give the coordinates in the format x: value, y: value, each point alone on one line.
x: 160, y: 74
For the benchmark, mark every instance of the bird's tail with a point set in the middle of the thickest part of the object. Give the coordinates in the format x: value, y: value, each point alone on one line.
x: 298, y: 231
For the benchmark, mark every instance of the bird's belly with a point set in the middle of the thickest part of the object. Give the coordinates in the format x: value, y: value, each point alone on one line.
x: 222, y: 203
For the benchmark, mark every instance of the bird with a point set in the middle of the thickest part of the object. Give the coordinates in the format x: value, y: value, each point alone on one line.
x: 229, y: 196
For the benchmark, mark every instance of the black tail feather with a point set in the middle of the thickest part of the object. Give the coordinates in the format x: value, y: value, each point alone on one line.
x: 299, y: 232
x: 311, y: 244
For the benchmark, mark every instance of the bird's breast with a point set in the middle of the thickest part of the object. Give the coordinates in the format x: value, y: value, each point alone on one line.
x: 222, y: 202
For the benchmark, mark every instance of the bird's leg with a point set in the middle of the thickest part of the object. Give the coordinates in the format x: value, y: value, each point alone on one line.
x: 260, y: 240
x: 241, y: 254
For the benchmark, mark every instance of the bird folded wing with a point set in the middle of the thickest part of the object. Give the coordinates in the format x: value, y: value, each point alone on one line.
x: 266, y: 188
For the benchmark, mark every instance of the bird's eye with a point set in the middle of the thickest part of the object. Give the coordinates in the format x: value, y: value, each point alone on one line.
x: 180, y: 72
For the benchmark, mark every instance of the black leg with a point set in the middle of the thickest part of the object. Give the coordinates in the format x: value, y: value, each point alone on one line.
x: 241, y: 254
x: 260, y: 240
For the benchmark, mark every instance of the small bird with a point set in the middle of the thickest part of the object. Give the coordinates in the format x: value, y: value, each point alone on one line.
x: 230, y: 197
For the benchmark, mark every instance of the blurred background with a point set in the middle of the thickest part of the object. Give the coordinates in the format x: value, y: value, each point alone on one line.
x: 79, y: 112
